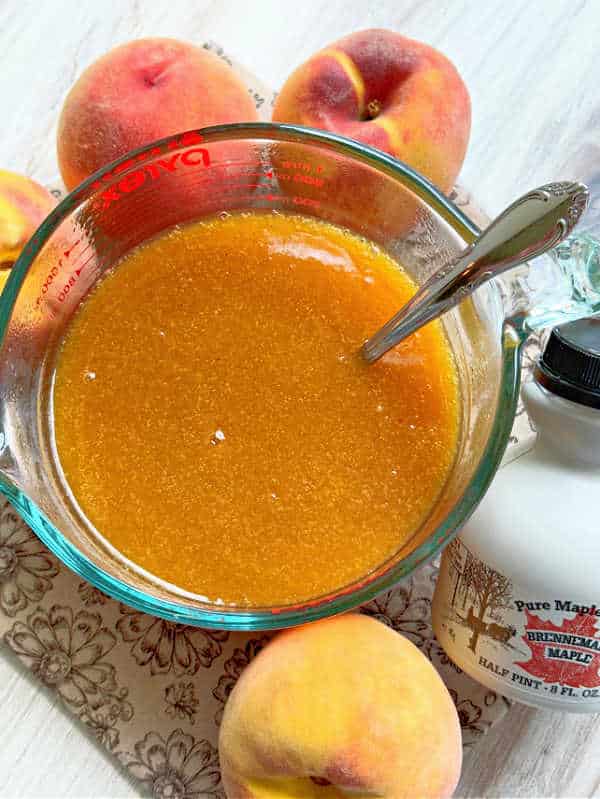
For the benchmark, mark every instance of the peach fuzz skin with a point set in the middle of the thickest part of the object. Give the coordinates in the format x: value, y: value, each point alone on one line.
x: 390, y: 92
x: 338, y: 708
x: 24, y: 205
x: 142, y: 91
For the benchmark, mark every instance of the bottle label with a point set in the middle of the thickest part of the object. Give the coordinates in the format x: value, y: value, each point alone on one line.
x: 546, y: 646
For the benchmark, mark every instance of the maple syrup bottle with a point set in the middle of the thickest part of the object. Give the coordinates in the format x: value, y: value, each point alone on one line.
x: 517, y: 604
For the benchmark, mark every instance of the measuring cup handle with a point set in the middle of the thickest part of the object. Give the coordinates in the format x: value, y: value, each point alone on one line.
x: 561, y: 286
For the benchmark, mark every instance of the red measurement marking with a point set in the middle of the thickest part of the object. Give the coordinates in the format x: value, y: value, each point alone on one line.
x: 53, y: 274
x: 231, y: 185
x: 298, y: 177
x: 250, y: 164
x: 305, y: 166
x: 196, y: 156
x: 306, y: 201
x: 188, y: 139
x: 282, y: 198
x: 49, y: 279
x: 64, y: 292
x: 68, y: 252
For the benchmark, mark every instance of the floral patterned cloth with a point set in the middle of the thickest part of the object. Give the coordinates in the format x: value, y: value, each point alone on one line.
x: 153, y: 691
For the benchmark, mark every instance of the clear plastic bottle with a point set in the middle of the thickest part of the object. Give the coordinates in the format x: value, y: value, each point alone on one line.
x: 517, y: 605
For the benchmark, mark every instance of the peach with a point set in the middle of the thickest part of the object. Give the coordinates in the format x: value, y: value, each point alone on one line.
x: 142, y: 91
x: 342, y: 707
x: 23, y: 206
x: 387, y: 91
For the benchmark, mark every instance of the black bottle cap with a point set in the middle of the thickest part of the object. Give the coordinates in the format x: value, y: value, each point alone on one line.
x: 570, y: 364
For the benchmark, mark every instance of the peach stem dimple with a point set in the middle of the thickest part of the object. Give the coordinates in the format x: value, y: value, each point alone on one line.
x: 320, y: 781
x: 372, y: 110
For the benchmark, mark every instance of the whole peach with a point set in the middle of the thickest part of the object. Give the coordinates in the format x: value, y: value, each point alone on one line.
x: 23, y: 206
x: 340, y: 707
x: 142, y: 91
x: 390, y: 92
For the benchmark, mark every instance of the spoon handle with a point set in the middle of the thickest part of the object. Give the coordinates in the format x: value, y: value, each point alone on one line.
x: 530, y: 226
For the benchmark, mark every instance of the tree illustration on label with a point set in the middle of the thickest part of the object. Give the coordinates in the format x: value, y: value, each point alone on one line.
x: 491, y: 591
x: 461, y: 567
x: 568, y: 655
x: 454, y: 553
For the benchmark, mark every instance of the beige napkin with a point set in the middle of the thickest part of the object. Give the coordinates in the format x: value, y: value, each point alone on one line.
x: 153, y: 691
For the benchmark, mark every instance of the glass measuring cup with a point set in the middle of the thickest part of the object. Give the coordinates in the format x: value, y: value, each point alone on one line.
x: 282, y: 168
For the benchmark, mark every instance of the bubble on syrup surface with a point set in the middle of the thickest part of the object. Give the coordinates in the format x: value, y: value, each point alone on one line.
x: 217, y: 437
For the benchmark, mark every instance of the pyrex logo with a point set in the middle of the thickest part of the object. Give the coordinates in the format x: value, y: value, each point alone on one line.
x: 196, y: 156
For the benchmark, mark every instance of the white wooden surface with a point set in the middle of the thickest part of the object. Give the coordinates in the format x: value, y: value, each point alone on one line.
x: 533, y: 70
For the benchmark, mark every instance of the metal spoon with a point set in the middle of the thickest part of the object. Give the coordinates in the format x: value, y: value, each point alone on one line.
x: 529, y: 227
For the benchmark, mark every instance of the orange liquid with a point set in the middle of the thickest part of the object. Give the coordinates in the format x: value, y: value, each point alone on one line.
x: 217, y: 426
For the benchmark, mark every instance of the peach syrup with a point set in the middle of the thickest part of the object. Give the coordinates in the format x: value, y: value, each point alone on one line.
x: 216, y: 424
